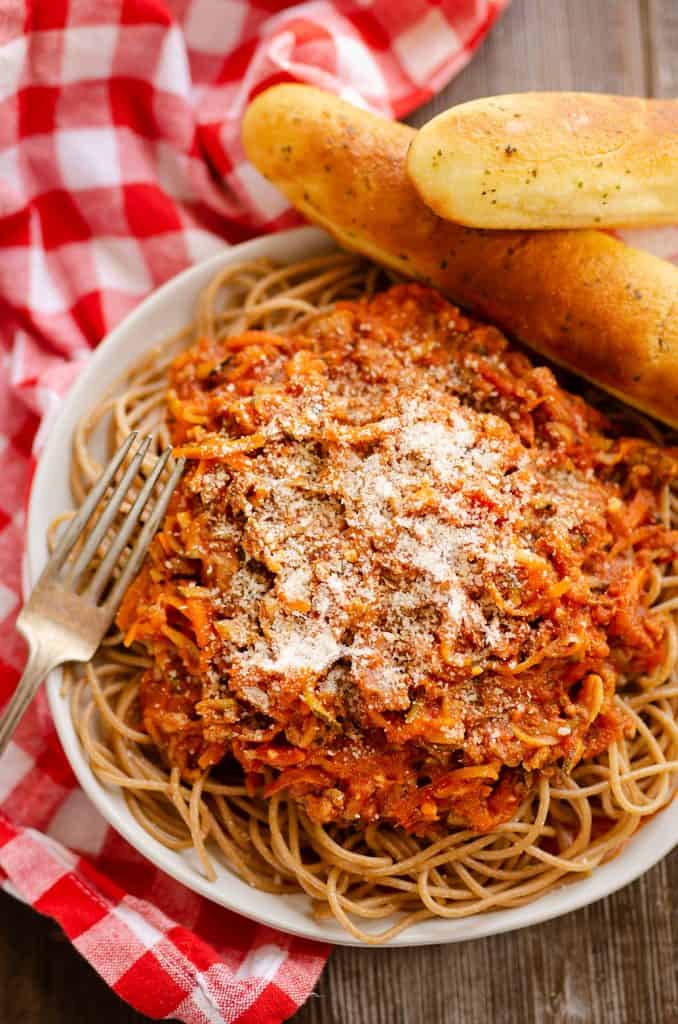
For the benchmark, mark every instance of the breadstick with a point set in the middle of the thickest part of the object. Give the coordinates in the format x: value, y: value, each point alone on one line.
x: 588, y: 302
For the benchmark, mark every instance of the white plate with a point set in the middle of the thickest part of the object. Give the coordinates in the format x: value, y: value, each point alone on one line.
x: 165, y: 312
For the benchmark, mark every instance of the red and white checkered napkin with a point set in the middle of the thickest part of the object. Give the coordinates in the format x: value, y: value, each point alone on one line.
x: 120, y: 164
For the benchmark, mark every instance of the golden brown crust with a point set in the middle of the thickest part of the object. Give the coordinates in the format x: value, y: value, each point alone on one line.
x: 604, y: 310
x: 550, y: 160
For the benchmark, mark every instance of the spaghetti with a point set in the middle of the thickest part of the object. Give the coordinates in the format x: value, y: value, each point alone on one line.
x: 407, y: 639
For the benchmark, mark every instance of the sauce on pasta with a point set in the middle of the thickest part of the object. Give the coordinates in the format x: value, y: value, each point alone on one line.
x: 406, y: 573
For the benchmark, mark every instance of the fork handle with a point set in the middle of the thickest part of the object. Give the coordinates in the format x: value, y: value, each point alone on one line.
x: 39, y: 664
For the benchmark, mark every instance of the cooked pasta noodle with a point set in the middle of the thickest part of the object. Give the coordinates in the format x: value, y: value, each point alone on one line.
x: 563, y: 827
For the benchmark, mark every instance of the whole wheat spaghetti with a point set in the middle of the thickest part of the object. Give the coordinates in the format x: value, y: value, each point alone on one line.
x: 407, y: 640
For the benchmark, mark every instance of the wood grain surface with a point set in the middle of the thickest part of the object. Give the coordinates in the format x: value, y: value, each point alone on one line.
x: 612, y: 963
x: 661, y: 52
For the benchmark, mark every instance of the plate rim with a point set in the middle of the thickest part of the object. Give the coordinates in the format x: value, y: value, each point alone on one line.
x: 566, y: 898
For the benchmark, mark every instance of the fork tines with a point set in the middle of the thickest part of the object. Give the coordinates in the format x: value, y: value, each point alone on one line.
x: 94, y: 572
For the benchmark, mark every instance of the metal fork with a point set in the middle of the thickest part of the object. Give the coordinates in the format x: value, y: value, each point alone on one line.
x: 64, y: 618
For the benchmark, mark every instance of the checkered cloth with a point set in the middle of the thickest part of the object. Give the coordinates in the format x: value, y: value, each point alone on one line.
x: 120, y: 165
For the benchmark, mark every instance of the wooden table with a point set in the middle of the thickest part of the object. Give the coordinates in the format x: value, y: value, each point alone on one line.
x: 613, y: 963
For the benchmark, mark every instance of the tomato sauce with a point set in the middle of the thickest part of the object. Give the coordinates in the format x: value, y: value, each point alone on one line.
x: 405, y: 571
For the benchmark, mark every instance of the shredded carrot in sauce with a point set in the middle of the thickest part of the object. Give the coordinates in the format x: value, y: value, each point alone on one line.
x: 405, y: 571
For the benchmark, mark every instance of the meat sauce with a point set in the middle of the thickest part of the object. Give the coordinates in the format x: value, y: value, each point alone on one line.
x: 405, y: 572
